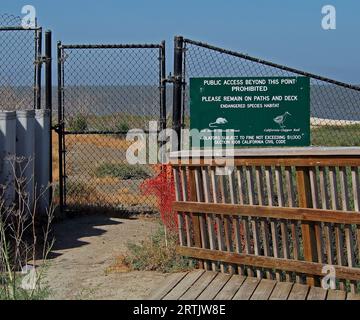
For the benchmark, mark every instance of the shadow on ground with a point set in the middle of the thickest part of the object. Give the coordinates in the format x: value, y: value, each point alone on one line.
x: 78, y: 228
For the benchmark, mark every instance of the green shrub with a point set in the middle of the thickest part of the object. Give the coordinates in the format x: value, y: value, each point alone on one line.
x: 158, y: 253
x: 78, y: 123
x: 123, y: 127
x: 122, y: 171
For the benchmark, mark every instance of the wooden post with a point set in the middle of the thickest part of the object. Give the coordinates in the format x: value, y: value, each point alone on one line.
x: 195, y: 217
x: 307, y: 228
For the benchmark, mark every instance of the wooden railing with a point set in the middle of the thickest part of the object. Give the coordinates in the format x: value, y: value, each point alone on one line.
x: 282, y: 214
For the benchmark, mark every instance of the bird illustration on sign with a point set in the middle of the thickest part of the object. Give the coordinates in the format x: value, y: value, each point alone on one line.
x: 281, y: 119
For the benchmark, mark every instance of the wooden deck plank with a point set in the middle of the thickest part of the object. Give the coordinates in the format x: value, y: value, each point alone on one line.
x: 353, y: 296
x: 208, y: 285
x: 317, y: 293
x: 230, y: 288
x: 167, y: 286
x: 263, y: 290
x: 183, y: 285
x: 336, y: 295
x: 298, y: 292
x: 214, y: 287
x: 199, y: 286
x: 281, y: 291
x: 247, y: 289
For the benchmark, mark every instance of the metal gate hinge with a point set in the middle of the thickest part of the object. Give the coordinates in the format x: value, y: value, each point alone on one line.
x: 173, y: 79
x: 41, y: 60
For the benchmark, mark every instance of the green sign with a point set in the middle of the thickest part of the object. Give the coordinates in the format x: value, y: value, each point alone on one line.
x: 255, y: 111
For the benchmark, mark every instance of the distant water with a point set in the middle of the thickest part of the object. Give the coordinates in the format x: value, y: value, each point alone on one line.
x: 327, y: 101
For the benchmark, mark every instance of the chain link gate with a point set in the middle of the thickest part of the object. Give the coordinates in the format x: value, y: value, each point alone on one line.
x: 334, y: 105
x: 104, y: 91
x: 20, y: 64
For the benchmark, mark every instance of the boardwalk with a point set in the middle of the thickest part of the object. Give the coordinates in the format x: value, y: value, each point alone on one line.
x: 207, y: 285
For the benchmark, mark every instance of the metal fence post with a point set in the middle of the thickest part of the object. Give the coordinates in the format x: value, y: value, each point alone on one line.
x: 48, y: 98
x: 163, y: 87
x: 38, y: 68
x: 177, y: 93
x: 60, y: 127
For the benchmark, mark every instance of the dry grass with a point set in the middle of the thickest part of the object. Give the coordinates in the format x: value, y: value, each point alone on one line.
x: 87, y: 194
x: 155, y: 253
x: 130, y: 198
x: 98, y: 140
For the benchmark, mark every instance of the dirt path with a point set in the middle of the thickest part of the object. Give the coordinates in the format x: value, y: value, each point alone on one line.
x: 85, y: 247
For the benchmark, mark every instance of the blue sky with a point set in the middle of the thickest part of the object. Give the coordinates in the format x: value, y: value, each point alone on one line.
x: 283, y: 31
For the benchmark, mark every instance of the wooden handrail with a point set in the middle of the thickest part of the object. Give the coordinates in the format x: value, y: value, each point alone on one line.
x: 272, y: 161
x: 287, y: 213
x: 291, y: 209
x: 305, y: 267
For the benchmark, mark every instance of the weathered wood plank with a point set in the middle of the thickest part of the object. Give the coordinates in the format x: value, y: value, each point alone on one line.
x: 218, y: 219
x: 317, y: 293
x: 244, y: 220
x: 283, y: 224
x: 355, y: 179
x: 214, y: 287
x: 281, y: 291
x: 263, y: 290
x: 301, y: 214
x: 184, y: 188
x: 335, y: 204
x: 253, y: 220
x: 186, y: 282
x: 290, y: 190
x: 349, y: 243
x: 277, y: 152
x: 298, y: 292
x: 307, y: 228
x: 195, y: 218
x: 336, y: 295
x: 316, y: 204
x: 277, y: 161
x: 273, y: 223
x: 170, y: 282
x: 247, y: 288
x: 236, y: 223
x: 230, y: 288
x: 352, y: 296
x: 264, y: 231
x: 227, y: 223
x: 209, y: 217
x: 181, y: 225
x: 199, y: 286
x: 325, y: 203
x: 306, y: 267
x: 202, y: 222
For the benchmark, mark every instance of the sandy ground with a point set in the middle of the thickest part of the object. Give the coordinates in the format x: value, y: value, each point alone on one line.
x: 85, y: 247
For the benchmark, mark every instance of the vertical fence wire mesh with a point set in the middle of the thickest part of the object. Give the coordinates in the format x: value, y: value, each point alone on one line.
x: 334, y: 107
x: 18, y: 64
x: 108, y: 90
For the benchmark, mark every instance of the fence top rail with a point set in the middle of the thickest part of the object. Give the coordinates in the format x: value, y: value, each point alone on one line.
x: 19, y: 28
x: 271, y: 64
x: 269, y: 152
x: 111, y: 46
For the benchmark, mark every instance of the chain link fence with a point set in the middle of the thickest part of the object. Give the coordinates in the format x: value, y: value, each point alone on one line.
x: 335, y: 106
x: 105, y: 91
x: 19, y: 66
